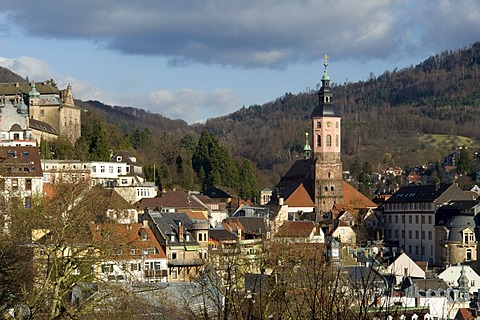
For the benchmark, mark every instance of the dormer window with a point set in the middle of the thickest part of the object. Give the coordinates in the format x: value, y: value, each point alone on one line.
x: 172, y: 238
x: 119, y: 159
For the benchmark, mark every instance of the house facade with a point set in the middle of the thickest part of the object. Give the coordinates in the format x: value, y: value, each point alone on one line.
x: 457, y: 229
x: 173, y: 232
x: 21, y: 173
x: 409, y: 219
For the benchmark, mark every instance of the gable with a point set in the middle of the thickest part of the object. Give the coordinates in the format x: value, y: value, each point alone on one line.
x: 299, y: 198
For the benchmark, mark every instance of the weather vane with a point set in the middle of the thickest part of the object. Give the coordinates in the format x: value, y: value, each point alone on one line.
x: 325, y: 59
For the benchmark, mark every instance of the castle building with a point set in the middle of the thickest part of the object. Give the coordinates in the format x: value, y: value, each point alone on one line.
x: 32, y: 111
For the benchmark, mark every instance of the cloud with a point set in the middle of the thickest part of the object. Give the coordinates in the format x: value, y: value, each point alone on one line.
x: 39, y: 70
x: 251, y: 33
x: 192, y: 106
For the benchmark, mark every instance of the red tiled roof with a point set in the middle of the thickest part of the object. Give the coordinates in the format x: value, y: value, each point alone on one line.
x: 301, y: 229
x: 354, y: 198
x: 129, y: 236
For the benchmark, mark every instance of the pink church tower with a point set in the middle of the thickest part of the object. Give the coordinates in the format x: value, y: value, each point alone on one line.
x: 326, y: 145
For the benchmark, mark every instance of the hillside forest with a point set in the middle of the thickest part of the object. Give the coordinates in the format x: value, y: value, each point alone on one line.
x: 405, y: 117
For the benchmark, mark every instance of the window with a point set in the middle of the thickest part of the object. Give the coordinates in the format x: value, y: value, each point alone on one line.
x: 319, y: 124
x: 403, y: 234
x: 94, y: 168
x: 132, y: 252
x: 417, y: 234
x: 14, y: 183
x: 119, y: 169
x: 329, y: 140
x: 429, y: 219
x: 468, y: 255
x: 102, y: 168
x: 28, y: 202
x: 173, y: 273
x: 134, y: 266
x: 416, y: 250
x: 337, y: 141
x: 110, y: 169
x: 416, y: 219
x: 409, y: 218
x: 429, y: 235
x: 396, y: 218
x: 28, y: 184
x: 409, y: 234
x: 319, y: 140
x: 42, y: 112
x: 107, y: 268
x: 423, y: 219
x: 337, y: 124
x: 403, y: 218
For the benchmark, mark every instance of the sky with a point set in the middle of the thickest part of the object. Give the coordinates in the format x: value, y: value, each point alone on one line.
x: 195, y: 60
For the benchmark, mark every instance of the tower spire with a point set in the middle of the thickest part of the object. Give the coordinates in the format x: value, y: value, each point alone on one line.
x: 306, y: 149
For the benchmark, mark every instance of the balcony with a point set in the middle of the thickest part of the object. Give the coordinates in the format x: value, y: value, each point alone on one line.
x: 185, y: 262
x: 155, y: 273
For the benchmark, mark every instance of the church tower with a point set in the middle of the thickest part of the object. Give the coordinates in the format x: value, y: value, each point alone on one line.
x: 326, y: 140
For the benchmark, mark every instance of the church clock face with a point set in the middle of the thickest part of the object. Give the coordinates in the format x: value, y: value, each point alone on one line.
x: 329, y: 124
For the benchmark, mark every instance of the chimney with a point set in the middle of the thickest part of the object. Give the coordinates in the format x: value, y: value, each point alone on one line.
x: 145, y: 223
x: 280, y: 201
x: 180, y: 231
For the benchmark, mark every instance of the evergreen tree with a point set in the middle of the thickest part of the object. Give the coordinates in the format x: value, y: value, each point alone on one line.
x: 45, y: 151
x: 465, y: 162
x: 247, y: 181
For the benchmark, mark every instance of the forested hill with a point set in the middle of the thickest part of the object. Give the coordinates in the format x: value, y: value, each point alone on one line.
x: 382, y: 117
x: 386, y: 120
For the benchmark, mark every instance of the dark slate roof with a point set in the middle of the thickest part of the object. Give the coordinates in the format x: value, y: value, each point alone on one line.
x: 167, y: 224
x: 216, y: 193
x: 221, y: 234
x: 41, y: 126
x: 126, y: 158
x: 16, y: 127
x: 250, y: 225
x: 425, y: 193
x: 299, y: 173
x: 326, y: 110
x: 364, y: 275
x: 434, y: 284
x: 458, y: 223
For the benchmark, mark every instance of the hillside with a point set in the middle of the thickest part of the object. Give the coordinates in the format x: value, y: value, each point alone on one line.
x: 396, y: 118
x: 383, y: 117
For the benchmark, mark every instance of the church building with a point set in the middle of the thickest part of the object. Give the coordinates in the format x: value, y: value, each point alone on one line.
x: 314, y: 185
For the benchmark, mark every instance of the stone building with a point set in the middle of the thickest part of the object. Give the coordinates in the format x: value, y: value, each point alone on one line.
x: 37, y: 110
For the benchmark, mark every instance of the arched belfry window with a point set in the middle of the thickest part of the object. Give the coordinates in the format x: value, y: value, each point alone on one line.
x: 337, y: 140
x: 329, y: 140
x: 336, y: 125
x: 319, y: 124
x: 319, y: 140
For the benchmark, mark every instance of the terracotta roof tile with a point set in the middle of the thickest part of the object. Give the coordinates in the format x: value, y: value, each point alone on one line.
x: 301, y: 229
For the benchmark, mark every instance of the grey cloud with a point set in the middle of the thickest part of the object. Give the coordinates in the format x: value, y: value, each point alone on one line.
x: 250, y: 33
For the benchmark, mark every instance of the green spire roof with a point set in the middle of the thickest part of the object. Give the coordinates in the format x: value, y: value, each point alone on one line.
x: 34, y: 92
